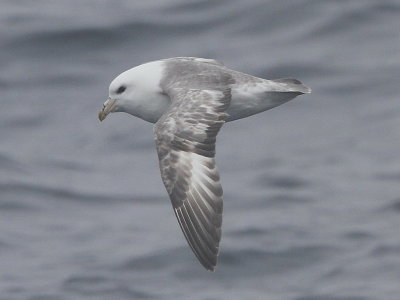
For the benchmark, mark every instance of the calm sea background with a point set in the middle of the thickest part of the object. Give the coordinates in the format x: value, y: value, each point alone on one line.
x: 312, y: 188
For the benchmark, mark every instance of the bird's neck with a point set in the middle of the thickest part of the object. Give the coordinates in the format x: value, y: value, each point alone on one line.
x: 151, y: 109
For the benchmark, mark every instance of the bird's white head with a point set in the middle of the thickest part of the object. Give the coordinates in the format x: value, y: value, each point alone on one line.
x: 137, y: 91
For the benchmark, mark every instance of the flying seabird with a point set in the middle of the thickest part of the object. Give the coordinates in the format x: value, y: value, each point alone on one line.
x: 189, y: 99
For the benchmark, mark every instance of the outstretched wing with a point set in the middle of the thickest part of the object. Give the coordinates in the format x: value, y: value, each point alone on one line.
x: 185, y: 137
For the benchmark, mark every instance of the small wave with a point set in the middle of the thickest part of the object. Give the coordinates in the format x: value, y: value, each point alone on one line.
x: 327, y: 297
x: 47, y: 296
x: 154, y: 261
x: 248, y: 232
x: 389, y: 176
x: 276, y: 261
x: 65, y: 43
x: 285, y: 182
x: 26, y: 121
x: 100, y: 285
x: 5, y: 246
x: 359, y: 235
x: 393, y: 206
x: 386, y: 250
x: 9, y: 163
x: 27, y: 192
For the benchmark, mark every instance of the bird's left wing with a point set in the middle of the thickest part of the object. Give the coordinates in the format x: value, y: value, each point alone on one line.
x: 185, y: 138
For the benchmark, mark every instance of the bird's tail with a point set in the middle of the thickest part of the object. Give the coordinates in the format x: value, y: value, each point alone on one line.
x: 292, y: 85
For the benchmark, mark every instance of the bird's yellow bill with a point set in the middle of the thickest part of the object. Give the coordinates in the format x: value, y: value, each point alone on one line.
x: 108, y: 106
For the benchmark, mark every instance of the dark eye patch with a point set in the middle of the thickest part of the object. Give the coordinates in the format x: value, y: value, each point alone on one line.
x: 121, y: 89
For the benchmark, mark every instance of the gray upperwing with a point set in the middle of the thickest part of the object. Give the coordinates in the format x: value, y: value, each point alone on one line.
x: 185, y: 138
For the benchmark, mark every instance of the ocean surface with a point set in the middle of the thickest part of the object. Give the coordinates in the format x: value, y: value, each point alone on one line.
x: 311, y: 188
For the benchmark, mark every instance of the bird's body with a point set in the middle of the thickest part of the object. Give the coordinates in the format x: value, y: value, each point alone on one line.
x: 190, y: 99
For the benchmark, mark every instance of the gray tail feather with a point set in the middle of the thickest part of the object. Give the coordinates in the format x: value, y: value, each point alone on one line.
x: 294, y: 85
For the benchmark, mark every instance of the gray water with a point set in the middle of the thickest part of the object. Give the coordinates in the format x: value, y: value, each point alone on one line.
x: 312, y: 192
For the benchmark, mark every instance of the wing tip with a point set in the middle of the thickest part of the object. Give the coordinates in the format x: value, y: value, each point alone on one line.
x: 209, y: 266
x: 208, y: 262
x: 211, y: 269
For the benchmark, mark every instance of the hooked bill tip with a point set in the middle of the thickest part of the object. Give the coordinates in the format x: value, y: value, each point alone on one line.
x: 102, y: 115
x: 108, y: 107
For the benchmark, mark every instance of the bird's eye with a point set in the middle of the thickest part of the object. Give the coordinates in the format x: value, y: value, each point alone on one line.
x: 121, y: 89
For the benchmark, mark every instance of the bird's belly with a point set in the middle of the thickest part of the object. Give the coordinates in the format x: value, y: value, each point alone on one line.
x: 246, y: 103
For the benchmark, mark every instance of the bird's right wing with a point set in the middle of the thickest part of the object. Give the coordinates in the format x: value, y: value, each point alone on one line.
x: 185, y: 138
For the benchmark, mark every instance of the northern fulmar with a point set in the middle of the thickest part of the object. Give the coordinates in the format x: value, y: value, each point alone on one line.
x: 189, y: 99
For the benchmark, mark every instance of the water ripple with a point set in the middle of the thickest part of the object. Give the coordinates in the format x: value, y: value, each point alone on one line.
x: 255, y: 261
